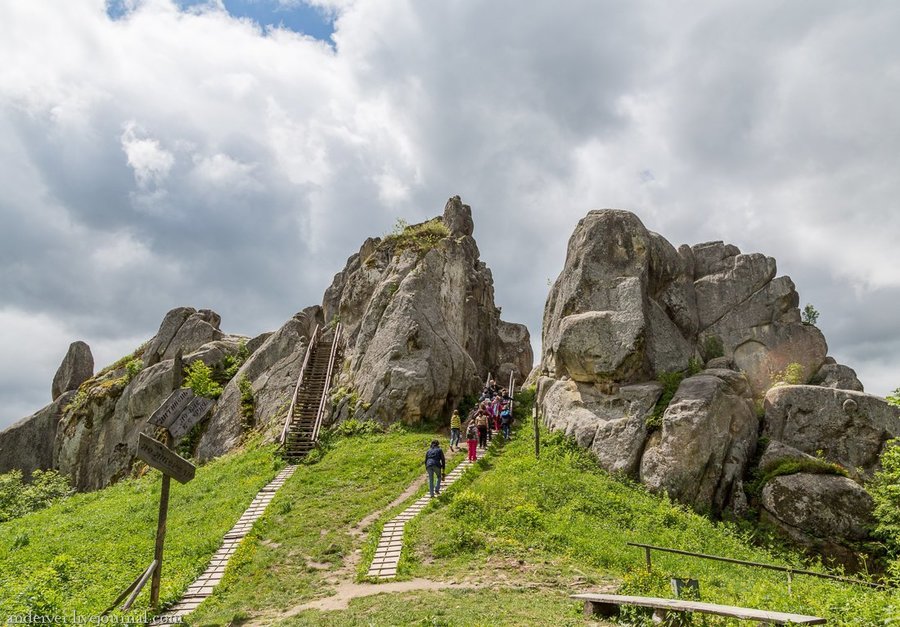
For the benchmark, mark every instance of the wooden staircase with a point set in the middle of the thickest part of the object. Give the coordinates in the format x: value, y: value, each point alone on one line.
x: 310, y: 401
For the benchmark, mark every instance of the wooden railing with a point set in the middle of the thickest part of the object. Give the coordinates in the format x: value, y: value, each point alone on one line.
x: 290, y: 414
x: 785, y: 569
x: 320, y: 415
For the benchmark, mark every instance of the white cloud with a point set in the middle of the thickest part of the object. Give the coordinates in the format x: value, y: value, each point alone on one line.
x: 188, y: 158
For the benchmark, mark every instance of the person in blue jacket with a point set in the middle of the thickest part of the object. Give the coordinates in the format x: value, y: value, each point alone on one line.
x: 434, y: 465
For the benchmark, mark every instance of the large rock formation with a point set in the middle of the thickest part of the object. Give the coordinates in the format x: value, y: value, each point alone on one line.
x: 629, y: 309
x: 76, y: 368
x: 420, y: 327
x: 420, y: 333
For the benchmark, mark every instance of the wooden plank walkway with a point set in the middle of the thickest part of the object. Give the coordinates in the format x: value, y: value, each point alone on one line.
x: 387, y: 554
x: 204, y: 585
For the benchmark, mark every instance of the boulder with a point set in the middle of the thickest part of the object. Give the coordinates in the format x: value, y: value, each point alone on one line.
x: 609, y: 422
x: 458, y: 218
x: 27, y: 445
x: 707, y: 438
x: 777, y: 452
x: 514, y: 352
x: 826, y: 513
x: 183, y: 329
x: 838, y: 376
x: 713, y: 258
x: 76, y: 368
x: 846, y: 427
x: 719, y: 293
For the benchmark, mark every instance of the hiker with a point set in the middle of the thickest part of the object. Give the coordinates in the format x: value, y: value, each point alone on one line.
x: 496, y: 408
x: 455, y: 423
x: 434, y: 465
x: 506, y: 420
x: 481, y: 424
x: 472, y: 439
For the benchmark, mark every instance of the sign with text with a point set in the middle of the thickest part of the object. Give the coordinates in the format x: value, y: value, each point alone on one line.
x: 171, y: 408
x: 156, y: 454
x: 191, y: 415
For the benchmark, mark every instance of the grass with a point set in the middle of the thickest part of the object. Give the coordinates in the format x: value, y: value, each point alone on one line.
x: 78, y: 554
x: 306, y: 533
x: 416, y: 237
x: 561, y: 521
x: 784, y: 467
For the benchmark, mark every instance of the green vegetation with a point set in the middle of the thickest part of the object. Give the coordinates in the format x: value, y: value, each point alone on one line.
x: 712, y: 347
x: 248, y: 403
x: 133, y: 367
x: 885, y: 489
x: 80, y: 552
x: 18, y: 498
x: 419, y: 238
x: 122, y: 362
x: 305, y: 535
x: 562, y: 523
x: 813, y: 466
x: 670, y: 382
x: 809, y: 315
x: 793, y: 374
x: 894, y: 398
x: 198, y: 377
x: 695, y: 366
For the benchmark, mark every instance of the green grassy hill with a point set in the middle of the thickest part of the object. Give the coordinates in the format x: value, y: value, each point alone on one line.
x: 515, y: 536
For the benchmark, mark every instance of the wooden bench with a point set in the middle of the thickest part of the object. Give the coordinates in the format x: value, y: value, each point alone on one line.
x: 607, y: 605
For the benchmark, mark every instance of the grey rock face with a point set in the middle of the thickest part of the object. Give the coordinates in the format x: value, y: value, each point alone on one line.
x: 183, y: 329
x: 611, y: 423
x: 777, y: 452
x: 420, y: 325
x: 76, y: 368
x: 849, y: 428
x: 708, y: 435
x: 272, y: 370
x: 838, y: 376
x: 28, y: 444
x: 822, y: 512
x: 515, y: 355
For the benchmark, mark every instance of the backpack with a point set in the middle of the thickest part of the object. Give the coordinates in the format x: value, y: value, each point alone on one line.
x: 471, y: 432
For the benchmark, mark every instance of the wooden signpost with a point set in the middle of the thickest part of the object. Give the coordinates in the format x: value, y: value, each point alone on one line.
x: 178, y: 415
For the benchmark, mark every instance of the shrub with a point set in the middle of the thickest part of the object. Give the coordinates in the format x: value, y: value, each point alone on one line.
x: 417, y: 237
x: 670, y: 382
x: 894, y: 398
x: 198, y: 378
x: 353, y: 427
x: 712, y: 347
x: 885, y: 490
x: 133, y: 368
x: 793, y: 374
x: 18, y: 498
x: 248, y: 404
x: 695, y: 366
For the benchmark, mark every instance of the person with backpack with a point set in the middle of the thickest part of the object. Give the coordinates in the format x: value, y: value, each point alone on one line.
x: 481, y: 423
x: 455, y: 423
x: 506, y: 419
x: 472, y: 439
x: 434, y: 466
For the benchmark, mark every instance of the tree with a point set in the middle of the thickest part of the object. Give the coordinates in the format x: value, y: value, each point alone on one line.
x: 809, y: 315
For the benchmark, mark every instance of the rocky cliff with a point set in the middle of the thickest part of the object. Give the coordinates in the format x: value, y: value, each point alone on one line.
x: 421, y: 332
x: 670, y: 366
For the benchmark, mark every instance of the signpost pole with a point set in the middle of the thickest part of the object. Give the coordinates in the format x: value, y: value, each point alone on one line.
x: 160, y: 536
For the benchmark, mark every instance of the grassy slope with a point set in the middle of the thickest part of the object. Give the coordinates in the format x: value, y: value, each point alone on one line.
x: 305, y: 534
x: 562, y: 523
x: 79, y: 554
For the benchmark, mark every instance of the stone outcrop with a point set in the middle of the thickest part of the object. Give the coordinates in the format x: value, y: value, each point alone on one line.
x: 76, y: 368
x: 845, y: 427
x: 707, y: 437
x: 420, y: 327
x: 183, y: 329
x: 821, y: 512
x: 629, y: 309
x: 28, y: 444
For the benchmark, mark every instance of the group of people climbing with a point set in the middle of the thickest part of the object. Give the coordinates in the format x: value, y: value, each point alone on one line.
x: 492, y: 413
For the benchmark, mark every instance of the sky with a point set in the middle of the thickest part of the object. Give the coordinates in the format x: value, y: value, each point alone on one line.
x: 231, y: 155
